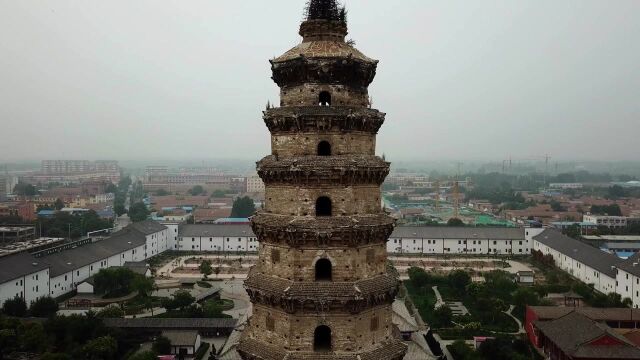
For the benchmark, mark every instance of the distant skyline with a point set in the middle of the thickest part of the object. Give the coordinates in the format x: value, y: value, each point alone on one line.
x: 148, y: 79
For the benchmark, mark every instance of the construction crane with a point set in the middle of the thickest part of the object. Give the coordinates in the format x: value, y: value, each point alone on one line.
x: 456, y: 200
x: 437, y: 199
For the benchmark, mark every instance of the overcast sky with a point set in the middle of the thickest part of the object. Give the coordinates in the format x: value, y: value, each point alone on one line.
x: 188, y: 79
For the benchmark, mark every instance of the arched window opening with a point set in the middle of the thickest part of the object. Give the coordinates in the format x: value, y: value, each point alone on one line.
x: 324, y: 148
x: 323, y: 206
x: 324, y: 270
x: 322, y: 339
x: 325, y: 98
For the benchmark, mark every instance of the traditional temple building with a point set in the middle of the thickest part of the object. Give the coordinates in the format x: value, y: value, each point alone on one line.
x: 321, y: 288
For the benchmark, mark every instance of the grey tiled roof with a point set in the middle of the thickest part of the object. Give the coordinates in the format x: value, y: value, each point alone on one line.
x: 446, y: 232
x: 147, y: 227
x: 19, y: 265
x: 160, y: 323
x: 432, y: 232
x: 574, y: 332
x: 215, y: 231
x: 575, y: 249
x: 181, y: 337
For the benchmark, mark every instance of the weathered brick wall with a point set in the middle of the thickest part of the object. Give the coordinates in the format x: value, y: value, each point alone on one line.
x: 295, y: 332
x: 307, y: 144
x: 299, y: 201
x: 348, y: 264
x: 309, y: 95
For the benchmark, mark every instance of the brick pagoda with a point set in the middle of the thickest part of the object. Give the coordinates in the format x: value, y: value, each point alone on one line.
x: 321, y: 288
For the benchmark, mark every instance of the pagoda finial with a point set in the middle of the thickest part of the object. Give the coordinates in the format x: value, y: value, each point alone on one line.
x: 325, y: 10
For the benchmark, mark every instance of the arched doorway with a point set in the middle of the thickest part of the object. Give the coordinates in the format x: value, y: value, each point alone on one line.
x: 325, y: 98
x: 324, y: 148
x: 322, y: 339
x: 323, y: 206
x: 324, y: 270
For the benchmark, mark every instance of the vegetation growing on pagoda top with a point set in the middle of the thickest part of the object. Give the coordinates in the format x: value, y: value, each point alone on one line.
x: 325, y: 10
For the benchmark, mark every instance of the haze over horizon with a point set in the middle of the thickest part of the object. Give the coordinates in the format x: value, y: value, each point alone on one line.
x: 175, y: 80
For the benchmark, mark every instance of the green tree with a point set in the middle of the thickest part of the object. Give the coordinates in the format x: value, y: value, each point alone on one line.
x: 455, y: 222
x: 24, y: 189
x: 205, y: 268
x: 459, y: 279
x: 442, y: 317
x: 59, y: 204
x: 15, y: 307
x: 161, y: 346
x: 219, y: 194
x: 183, y: 299
x: 243, y: 207
x: 34, y: 337
x: 162, y: 192
x: 44, y: 307
x: 145, y: 355
x: 115, y: 280
x: 55, y: 356
x: 418, y: 277
x: 109, y: 312
x: 142, y: 284
x: 102, y: 348
x: 196, y: 190
x: 138, y: 212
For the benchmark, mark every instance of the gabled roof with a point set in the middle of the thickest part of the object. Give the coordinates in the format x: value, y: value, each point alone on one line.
x: 446, y: 232
x: 181, y: 337
x: 19, y: 265
x: 127, y: 239
x: 575, y: 335
x: 575, y: 249
x: 148, y: 227
x: 216, y: 231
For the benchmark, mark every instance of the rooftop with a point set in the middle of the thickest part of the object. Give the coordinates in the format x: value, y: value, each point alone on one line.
x: 19, y: 265
x: 576, y: 335
x: 604, y: 262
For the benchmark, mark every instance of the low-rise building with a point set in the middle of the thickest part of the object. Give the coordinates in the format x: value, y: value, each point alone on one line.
x: 584, y: 262
x: 461, y: 240
x: 606, y: 220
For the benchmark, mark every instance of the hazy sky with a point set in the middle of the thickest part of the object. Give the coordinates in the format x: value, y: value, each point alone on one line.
x: 182, y: 79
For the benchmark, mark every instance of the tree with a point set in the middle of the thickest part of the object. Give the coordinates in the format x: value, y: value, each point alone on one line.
x: 15, y: 307
x: 196, y: 190
x: 24, y: 189
x: 243, y: 207
x: 525, y: 296
x: 109, y: 312
x: 102, y: 348
x: 442, y: 317
x: 219, y: 194
x: 617, y: 191
x: 556, y: 206
x: 183, y: 299
x: 162, y: 192
x: 115, y: 280
x: 44, y: 307
x: 142, y: 284
x: 418, y: 277
x: 455, y: 222
x: 59, y: 204
x: 34, y: 337
x: 161, y: 346
x: 205, y: 268
x: 138, y: 212
x: 459, y: 280
x: 146, y: 355
x: 55, y: 356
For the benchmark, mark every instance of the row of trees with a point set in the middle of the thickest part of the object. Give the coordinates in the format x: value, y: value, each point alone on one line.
x: 42, y: 307
x: 75, y: 337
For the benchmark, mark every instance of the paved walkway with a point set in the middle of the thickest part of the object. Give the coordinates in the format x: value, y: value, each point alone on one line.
x: 439, y: 301
x: 520, y: 327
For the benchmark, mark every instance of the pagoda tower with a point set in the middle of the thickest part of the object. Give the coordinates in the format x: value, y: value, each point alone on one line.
x: 321, y: 288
